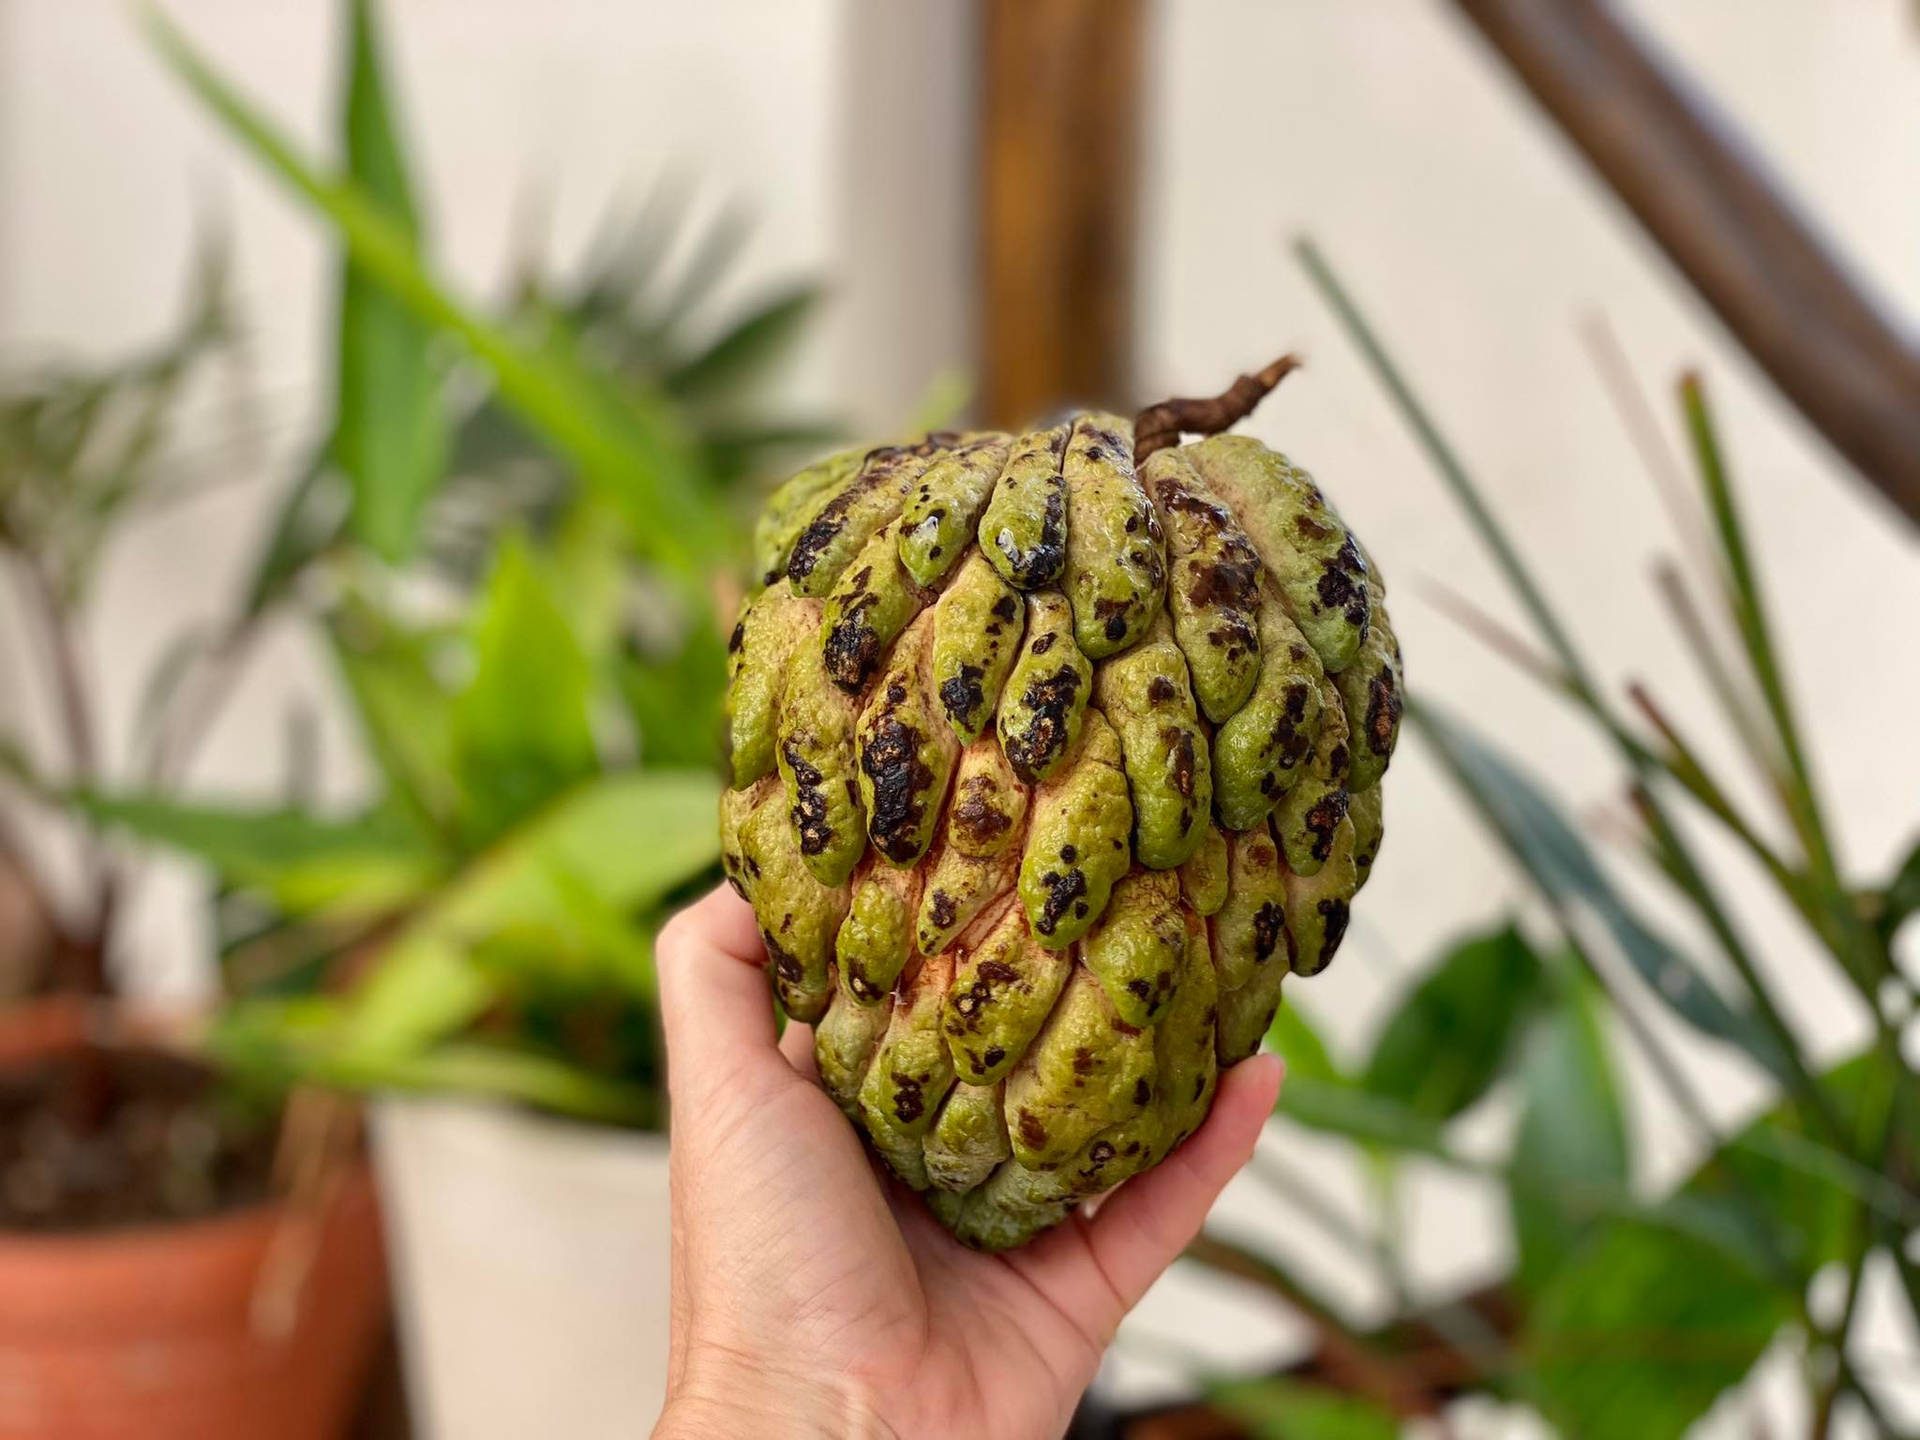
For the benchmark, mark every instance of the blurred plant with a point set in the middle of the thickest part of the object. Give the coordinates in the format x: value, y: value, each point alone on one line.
x: 1620, y: 1315
x: 505, y: 541
x: 83, y: 451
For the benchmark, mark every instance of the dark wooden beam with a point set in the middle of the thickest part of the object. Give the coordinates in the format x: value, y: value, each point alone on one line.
x: 1060, y: 111
x: 1702, y: 197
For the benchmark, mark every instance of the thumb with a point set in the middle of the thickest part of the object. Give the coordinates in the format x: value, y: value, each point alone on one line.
x: 715, y: 1005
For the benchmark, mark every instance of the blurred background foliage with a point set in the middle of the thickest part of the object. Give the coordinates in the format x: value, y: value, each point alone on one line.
x: 509, y: 539
x: 1626, y: 1312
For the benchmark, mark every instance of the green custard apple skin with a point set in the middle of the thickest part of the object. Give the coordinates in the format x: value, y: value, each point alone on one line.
x: 1047, y: 768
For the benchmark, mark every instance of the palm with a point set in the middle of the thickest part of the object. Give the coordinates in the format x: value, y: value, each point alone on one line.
x: 791, y: 1246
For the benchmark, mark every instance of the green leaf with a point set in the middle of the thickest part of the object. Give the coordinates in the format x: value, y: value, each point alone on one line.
x: 630, y: 838
x: 473, y: 1067
x: 1274, y: 1408
x: 405, y: 714
x: 1292, y: 1037
x: 423, y: 989
x: 310, y: 521
x: 360, y: 867
x: 1636, y: 1338
x: 1342, y: 1109
x: 1812, y: 1195
x: 1571, y: 1134
x: 1902, y: 896
x: 1453, y: 1033
x: 522, y: 731
x: 746, y: 347
x: 390, y: 433
x: 1559, y: 863
x: 275, y: 1043
x: 594, y: 949
x: 627, y: 442
x: 1749, y: 611
x: 675, y: 701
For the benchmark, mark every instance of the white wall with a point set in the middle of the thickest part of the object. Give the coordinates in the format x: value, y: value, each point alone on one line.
x: 1472, y: 235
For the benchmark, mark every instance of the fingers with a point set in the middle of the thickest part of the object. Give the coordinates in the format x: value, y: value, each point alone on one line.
x: 1096, y: 1269
x: 714, y: 1001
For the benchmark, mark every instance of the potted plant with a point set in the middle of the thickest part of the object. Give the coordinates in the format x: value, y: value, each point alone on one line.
x: 176, y: 1258
x: 509, y: 547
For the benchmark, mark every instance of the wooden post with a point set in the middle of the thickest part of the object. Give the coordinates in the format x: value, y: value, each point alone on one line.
x: 1853, y: 375
x: 1059, y: 128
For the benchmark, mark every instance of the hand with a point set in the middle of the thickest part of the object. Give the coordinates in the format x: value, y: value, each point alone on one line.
x: 813, y: 1296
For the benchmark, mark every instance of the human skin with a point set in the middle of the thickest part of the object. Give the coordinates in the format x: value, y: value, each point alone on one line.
x: 813, y: 1296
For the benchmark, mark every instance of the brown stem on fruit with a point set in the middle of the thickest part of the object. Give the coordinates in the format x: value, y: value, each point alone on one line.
x: 1159, y: 426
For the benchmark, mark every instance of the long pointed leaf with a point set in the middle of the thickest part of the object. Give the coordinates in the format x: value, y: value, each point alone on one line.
x: 1453, y: 1033
x: 1572, y: 1132
x: 521, y: 729
x: 1559, y: 863
x: 389, y: 432
x: 630, y: 443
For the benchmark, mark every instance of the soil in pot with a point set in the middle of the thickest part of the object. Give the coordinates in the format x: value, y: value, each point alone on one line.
x: 94, y: 1138
x: 151, y: 1282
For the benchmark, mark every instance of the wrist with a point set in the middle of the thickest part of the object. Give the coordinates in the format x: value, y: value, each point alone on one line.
x: 737, y: 1397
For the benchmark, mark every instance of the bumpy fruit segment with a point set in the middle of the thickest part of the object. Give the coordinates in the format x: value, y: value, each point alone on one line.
x: 1136, y: 950
x: 836, y: 531
x: 1213, y: 592
x: 790, y: 507
x: 937, y: 523
x: 1314, y: 806
x: 1370, y: 692
x: 1318, y: 904
x: 1116, y: 567
x: 980, y: 855
x: 770, y: 628
x: 1145, y: 695
x: 1259, y: 750
x: 976, y: 634
x: 797, y: 915
x: 1047, y: 770
x: 1250, y: 932
x: 1024, y: 529
x: 869, y: 606
x: 907, y: 752
x: 876, y: 939
x: 1312, y: 557
x: 1002, y: 991
x: 1077, y: 841
x: 814, y: 751
x: 1046, y: 695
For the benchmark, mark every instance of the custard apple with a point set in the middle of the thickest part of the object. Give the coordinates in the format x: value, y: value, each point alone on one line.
x: 1049, y: 762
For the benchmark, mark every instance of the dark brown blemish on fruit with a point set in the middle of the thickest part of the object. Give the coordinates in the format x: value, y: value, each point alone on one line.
x: 901, y: 781
x: 963, y: 695
x: 979, y: 821
x: 1269, y: 924
x: 1062, y: 892
x: 1032, y: 1133
x: 1051, y: 699
x: 809, y: 813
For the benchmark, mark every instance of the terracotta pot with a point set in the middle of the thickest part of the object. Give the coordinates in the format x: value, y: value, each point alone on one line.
x: 157, y: 1331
